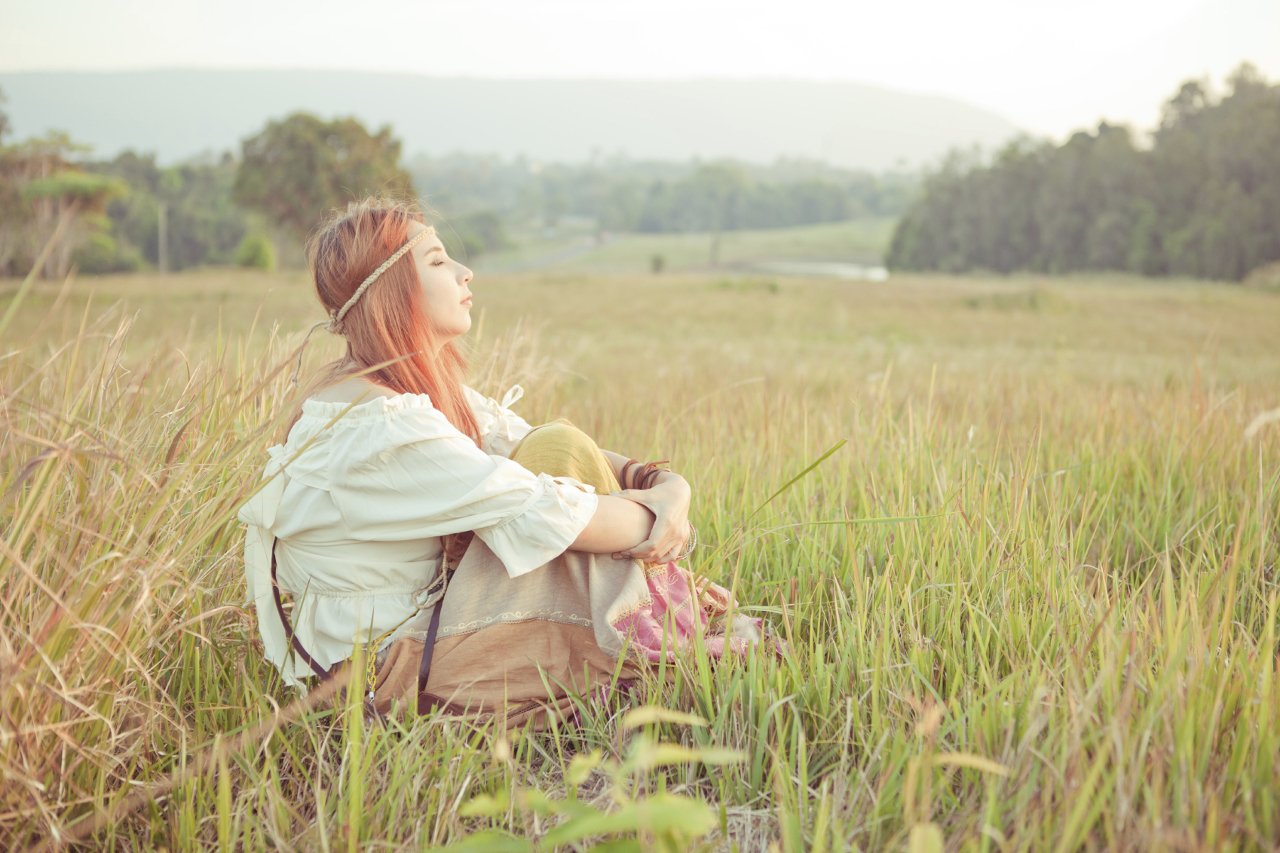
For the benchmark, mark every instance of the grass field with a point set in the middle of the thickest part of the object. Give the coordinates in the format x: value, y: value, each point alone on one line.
x: 860, y: 241
x: 1066, y: 636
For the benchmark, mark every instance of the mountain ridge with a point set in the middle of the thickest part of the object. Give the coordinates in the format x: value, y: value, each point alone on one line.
x: 179, y: 113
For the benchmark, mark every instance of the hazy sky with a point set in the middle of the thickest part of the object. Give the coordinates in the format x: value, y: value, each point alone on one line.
x: 1047, y: 65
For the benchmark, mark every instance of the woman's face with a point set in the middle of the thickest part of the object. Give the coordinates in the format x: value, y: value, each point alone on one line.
x: 445, y: 289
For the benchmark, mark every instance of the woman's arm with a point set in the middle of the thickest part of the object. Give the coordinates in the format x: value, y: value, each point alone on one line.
x: 618, y: 462
x: 667, y: 498
x: 618, y: 525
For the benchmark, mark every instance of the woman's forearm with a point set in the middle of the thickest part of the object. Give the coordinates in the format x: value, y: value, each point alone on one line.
x: 618, y: 525
x: 617, y: 461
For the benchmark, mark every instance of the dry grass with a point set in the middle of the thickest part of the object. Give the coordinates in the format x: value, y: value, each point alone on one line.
x: 1076, y: 646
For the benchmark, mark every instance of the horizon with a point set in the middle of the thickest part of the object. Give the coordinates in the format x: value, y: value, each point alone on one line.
x: 1141, y: 133
x: 182, y: 113
x: 1050, y: 70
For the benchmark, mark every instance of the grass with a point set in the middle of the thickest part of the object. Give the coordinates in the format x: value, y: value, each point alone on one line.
x: 1071, y: 643
x: 860, y: 241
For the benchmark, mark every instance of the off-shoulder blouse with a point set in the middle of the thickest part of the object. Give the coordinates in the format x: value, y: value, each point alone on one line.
x: 357, y: 500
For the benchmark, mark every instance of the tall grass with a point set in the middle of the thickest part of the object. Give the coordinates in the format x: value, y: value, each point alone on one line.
x: 1063, y: 636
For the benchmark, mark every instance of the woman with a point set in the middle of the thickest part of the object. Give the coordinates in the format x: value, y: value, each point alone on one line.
x: 397, y: 482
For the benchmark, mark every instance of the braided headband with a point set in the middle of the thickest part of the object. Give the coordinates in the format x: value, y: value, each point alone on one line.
x: 335, y: 320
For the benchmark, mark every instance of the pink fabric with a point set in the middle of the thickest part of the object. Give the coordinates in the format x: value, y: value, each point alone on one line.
x: 688, y: 606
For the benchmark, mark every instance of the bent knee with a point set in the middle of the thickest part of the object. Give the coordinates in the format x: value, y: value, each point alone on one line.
x: 558, y: 448
x: 559, y: 435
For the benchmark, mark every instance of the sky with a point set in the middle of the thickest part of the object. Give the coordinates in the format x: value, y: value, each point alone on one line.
x: 1051, y: 67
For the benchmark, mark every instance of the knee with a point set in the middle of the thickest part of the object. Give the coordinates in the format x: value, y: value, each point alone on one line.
x: 562, y: 450
x: 557, y: 437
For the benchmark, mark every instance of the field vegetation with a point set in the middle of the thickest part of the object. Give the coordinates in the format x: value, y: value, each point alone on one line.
x: 578, y: 249
x: 1029, y: 589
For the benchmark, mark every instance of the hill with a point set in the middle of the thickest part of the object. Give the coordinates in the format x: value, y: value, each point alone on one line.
x: 179, y: 113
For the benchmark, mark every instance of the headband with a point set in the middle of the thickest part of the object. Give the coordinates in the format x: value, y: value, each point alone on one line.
x: 335, y: 320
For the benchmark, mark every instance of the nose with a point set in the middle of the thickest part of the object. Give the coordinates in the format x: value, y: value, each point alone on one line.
x: 466, y: 275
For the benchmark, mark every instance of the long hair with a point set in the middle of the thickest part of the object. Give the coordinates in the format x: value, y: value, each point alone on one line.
x: 388, y: 323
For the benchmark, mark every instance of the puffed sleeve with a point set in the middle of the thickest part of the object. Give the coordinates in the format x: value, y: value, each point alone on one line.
x: 413, y: 475
x: 500, y: 428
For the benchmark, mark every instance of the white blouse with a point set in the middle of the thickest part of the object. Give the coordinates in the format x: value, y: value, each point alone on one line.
x: 357, y: 500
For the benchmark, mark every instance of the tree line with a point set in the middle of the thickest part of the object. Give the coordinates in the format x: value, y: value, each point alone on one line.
x: 624, y: 195
x: 1202, y: 199
x: 130, y: 213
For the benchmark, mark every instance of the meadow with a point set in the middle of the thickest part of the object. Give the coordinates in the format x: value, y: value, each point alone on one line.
x: 1019, y: 535
x: 574, y: 247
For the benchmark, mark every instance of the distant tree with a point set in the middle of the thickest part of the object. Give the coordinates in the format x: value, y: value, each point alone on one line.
x: 1203, y: 201
x: 79, y: 196
x: 5, y: 127
x: 297, y: 169
x: 1191, y: 100
x: 472, y: 235
x: 618, y: 194
x: 256, y: 251
x: 1219, y: 195
x: 39, y: 186
x: 203, y: 223
x: 716, y: 192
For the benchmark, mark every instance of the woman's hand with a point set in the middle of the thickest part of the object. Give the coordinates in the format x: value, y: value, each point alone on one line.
x: 668, y: 500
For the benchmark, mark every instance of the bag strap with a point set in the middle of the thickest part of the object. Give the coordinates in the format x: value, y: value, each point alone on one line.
x: 425, y: 702
x: 288, y: 627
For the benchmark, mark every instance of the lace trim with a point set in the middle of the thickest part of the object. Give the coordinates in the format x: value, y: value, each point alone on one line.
x: 515, y: 616
x: 647, y: 601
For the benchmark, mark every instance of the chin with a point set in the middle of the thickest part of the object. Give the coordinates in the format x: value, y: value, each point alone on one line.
x: 452, y: 333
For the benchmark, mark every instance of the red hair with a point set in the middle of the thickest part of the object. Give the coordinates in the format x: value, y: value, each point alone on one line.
x: 388, y: 323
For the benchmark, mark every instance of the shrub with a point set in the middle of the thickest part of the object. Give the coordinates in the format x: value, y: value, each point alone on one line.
x: 101, y: 254
x: 1265, y: 277
x: 257, y: 252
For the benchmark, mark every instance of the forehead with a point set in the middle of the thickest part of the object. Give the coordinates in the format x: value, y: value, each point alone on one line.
x: 416, y: 228
x: 429, y: 243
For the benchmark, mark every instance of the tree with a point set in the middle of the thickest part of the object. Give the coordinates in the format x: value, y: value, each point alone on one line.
x: 716, y: 190
x: 39, y: 186
x: 4, y: 117
x: 1202, y: 201
x: 79, y: 196
x: 297, y: 169
x: 470, y: 236
x: 203, y: 225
